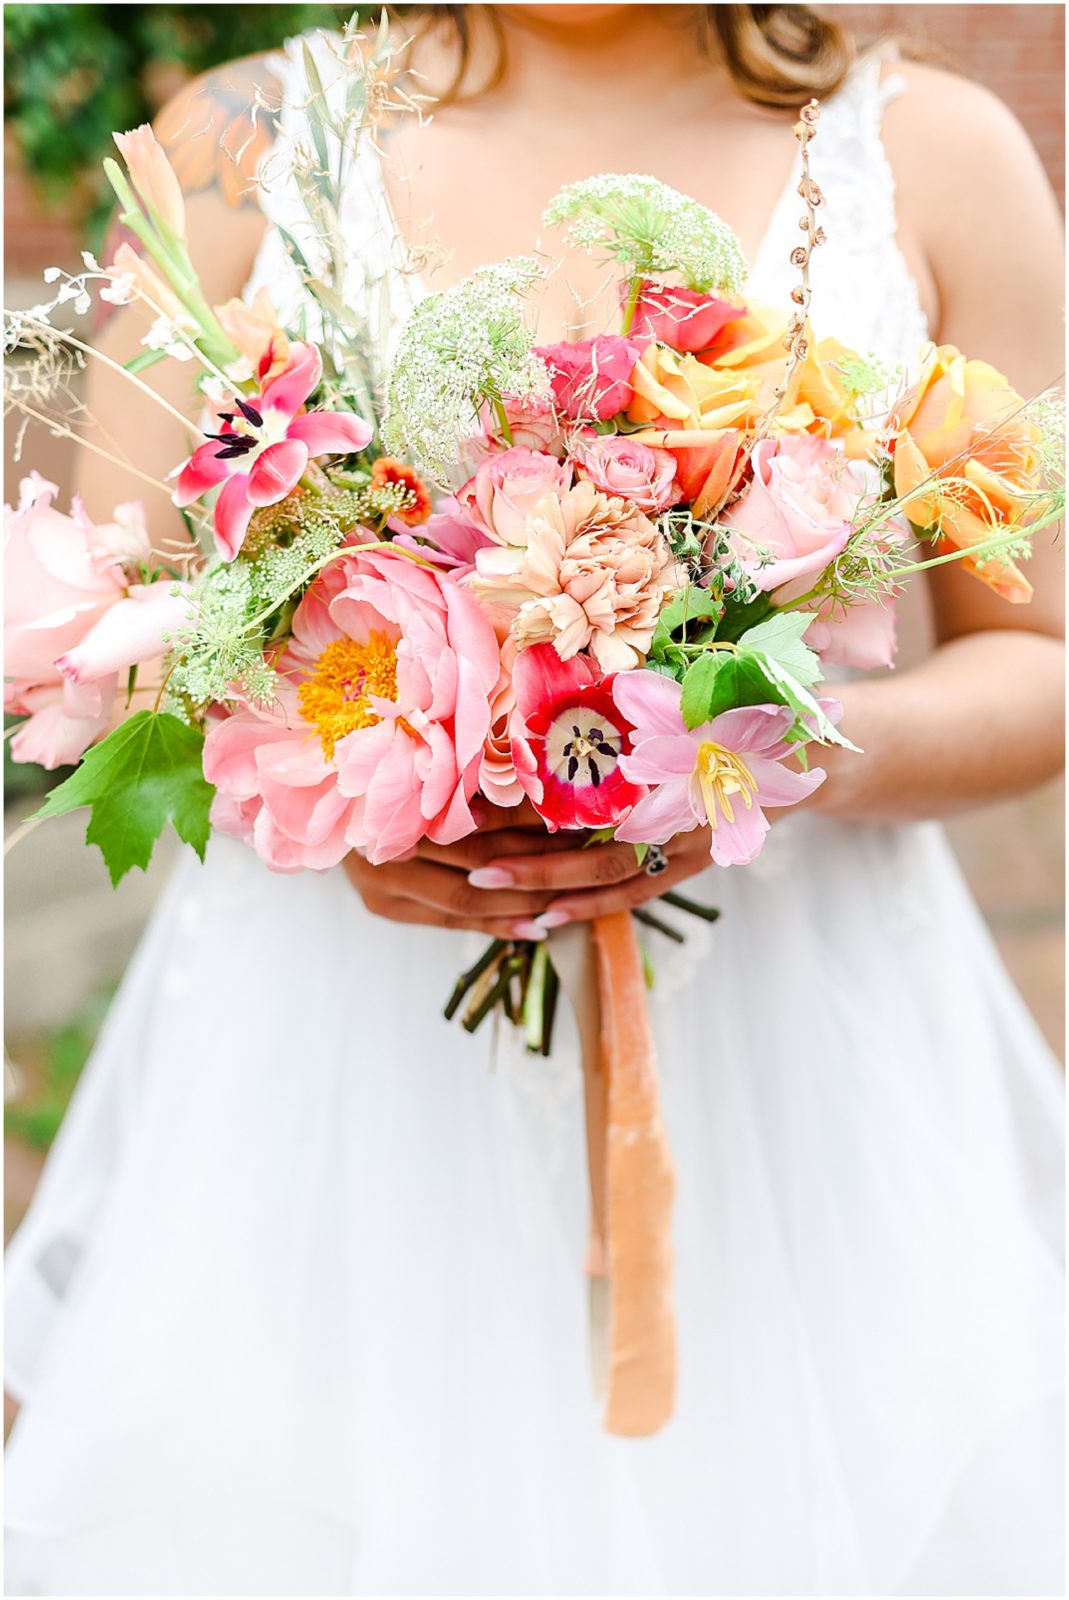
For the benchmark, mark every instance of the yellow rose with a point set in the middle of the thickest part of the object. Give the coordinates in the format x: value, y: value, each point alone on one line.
x: 962, y: 429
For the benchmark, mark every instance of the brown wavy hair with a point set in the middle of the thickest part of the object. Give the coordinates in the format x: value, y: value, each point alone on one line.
x: 776, y: 55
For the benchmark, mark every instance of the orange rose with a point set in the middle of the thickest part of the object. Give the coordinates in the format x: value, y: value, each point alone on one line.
x: 962, y: 429
x: 819, y: 399
x: 696, y: 412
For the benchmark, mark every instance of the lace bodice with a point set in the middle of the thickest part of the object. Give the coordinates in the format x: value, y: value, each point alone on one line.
x: 863, y: 291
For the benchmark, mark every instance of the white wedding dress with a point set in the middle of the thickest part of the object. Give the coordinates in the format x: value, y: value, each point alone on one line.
x: 299, y: 1308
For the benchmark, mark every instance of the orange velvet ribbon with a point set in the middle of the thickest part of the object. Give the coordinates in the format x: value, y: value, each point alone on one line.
x: 632, y: 1185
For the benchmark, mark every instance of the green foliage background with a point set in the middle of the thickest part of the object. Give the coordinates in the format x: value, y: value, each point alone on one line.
x: 73, y: 73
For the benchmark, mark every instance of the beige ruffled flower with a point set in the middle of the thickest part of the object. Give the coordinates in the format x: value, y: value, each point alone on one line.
x: 594, y: 573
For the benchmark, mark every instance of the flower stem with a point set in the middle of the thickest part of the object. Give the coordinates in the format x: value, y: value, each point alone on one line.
x: 503, y: 419
x: 631, y: 305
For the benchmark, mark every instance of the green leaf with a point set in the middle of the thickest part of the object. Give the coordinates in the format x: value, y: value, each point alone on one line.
x: 698, y: 686
x: 739, y: 682
x: 780, y: 638
x: 145, y: 773
x: 316, y: 111
x: 147, y: 358
x: 813, y: 721
x: 691, y: 604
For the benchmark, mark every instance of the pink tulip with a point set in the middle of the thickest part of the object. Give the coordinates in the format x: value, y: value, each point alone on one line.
x: 73, y: 623
x: 719, y: 775
x: 264, y: 447
x: 153, y: 178
x: 380, y: 726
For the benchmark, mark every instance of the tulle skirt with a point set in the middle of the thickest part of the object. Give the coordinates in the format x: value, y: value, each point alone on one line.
x: 299, y: 1307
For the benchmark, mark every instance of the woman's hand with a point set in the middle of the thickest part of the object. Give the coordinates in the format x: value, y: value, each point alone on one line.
x: 571, y: 882
x: 432, y: 886
x: 513, y: 880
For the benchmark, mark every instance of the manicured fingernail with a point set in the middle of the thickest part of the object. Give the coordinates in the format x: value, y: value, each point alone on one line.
x: 527, y: 930
x: 490, y: 878
x: 553, y: 919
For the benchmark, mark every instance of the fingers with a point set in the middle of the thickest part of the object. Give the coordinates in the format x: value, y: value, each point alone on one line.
x: 490, y: 818
x: 480, y: 848
x: 556, y: 871
x: 413, y: 913
x: 691, y: 856
x: 445, y: 892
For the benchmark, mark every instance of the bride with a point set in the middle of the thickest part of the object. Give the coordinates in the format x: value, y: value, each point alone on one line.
x: 299, y: 1307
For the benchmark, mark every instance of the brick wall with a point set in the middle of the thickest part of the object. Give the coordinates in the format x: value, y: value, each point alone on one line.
x: 1018, y: 51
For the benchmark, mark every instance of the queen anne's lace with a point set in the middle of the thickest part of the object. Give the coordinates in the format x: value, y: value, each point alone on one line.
x: 458, y: 350
x: 651, y: 230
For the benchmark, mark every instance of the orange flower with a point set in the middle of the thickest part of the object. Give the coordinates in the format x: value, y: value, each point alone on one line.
x: 386, y: 471
x: 153, y: 177
x: 962, y: 429
x: 697, y: 413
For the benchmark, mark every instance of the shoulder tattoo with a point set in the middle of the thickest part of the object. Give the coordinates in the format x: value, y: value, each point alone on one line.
x: 217, y: 129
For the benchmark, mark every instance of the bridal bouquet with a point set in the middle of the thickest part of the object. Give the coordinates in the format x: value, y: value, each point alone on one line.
x: 604, y: 577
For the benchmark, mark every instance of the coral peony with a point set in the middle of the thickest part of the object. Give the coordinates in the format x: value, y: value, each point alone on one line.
x: 377, y: 736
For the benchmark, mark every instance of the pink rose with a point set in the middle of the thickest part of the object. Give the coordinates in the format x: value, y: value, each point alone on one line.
x: 591, y: 379
x: 506, y: 486
x: 681, y: 318
x: 380, y: 726
x: 73, y: 622
x: 796, y: 515
x: 533, y: 423
x: 618, y: 465
x: 860, y: 636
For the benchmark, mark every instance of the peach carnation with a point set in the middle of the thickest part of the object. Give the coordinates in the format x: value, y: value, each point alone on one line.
x: 593, y: 573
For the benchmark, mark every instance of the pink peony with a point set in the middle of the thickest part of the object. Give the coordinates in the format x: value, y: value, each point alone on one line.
x: 506, y: 486
x: 719, y: 775
x: 73, y: 621
x: 618, y: 465
x: 264, y: 447
x: 377, y: 736
x: 681, y: 318
x: 594, y: 574
x: 575, y: 738
x: 591, y: 379
x: 798, y: 511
